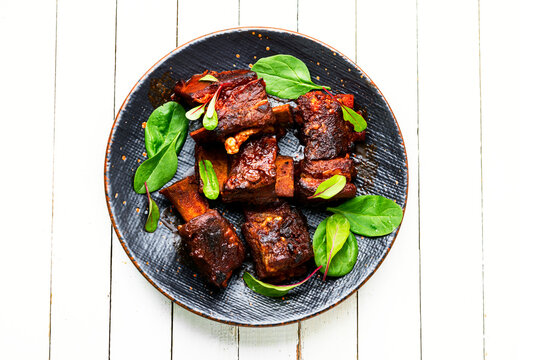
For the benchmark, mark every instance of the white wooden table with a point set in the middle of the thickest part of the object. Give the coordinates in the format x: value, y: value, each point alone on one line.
x: 467, y: 277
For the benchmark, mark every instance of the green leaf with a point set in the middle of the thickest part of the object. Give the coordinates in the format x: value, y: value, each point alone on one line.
x: 285, y: 76
x: 209, y: 178
x: 153, y: 213
x: 371, y: 215
x: 210, y: 123
x: 345, y: 259
x: 196, y: 112
x: 163, y: 125
x: 354, y: 118
x: 272, y: 290
x: 157, y: 170
x: 337, y: 231
x: 330, y: 187
x: 209, y: 77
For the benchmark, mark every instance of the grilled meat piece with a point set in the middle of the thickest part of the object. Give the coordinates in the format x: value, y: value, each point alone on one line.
x: 185, y: 197
x: 279, y: 241
x: 252, y: 177
x: 323, y: 130
x: 208, y: 238
x: 214, y: 246
x: 311, y: 173
x: 195, y: 92
x: 285, y: 185
x: 217, y: 155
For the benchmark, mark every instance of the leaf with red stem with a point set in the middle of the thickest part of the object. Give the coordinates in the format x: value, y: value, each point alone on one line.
x: 330, y: 187
x: 273, y: 290
x: 350, y: 115
x: 337, y: 231
x: 196, y: 112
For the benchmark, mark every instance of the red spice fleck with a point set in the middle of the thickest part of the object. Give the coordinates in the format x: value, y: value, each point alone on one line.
x: 124, y: 157
x: 268, y: 48
x: 145, y: 154
x: 138, y: 210
x: 237, y: 55
x: 124, y: 203
x: 250, y: 66
x: 260, y: 35
x: 144, y: 124
x: 116, y: 195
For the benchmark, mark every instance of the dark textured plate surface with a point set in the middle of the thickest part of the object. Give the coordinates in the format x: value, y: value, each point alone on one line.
x: 382, y: 170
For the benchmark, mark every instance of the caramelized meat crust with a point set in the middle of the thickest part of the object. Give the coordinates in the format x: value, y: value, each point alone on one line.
x: 284, y: 176
x: 194, y: 91
x: 323, y: 130
x: 279, y: 241
x: 311, y: 173
x: 214, y: 246
x: 252, y: 177
x: 185, y: 197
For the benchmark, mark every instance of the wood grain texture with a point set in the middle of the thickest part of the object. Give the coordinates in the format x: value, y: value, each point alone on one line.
x: 389, y: 302
x: 450, y: 180
x: 81, y: 230
x: 514, y: 93
x: 192, y: 334
x: 339, y: 325
x: 145, y: 32
x: 27, y: 141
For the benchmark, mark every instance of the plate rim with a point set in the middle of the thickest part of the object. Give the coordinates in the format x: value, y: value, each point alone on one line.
x: 123, y: 241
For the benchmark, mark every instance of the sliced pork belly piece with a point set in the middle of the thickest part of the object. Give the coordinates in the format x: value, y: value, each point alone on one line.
x: 194, y: 91
x: 279, y: 241
x: 252, y: 176
x: 208, y: 238
x: 285, y: 184
x: 326, y: 135
x: 311, y: 173
x: 214, y: 246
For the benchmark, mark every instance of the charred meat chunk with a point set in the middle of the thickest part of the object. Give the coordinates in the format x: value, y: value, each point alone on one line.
x: 323, y: 129
x: 185, y: 197
x: 214, y: 246
x: 252, y: 177
x: 285, y: 185
x: 279, y: 241
x: 311, y: 173
x: 208, y: 238
x: 195, y: 92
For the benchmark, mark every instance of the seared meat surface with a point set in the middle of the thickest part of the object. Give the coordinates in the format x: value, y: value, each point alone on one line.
x: 252, y: 176
x: 323, y: 130
x: 214, y: 246
x: 311, y: 173
x: 279, y: 241
x: 207, y: 237
x: 195, y: 92
x: 284, y: 176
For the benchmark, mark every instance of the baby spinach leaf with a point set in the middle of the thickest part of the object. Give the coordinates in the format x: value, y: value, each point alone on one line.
x: 163, y: 125
x: 330, y: 187
x: 370, y: 215
x: 157, y: 170
x: 209, y: 77
x: 153, y: 213
x: 285, y: 76
x: 195, y: 112
x: 337, y: 230
x: 272, y: 290
x: 209, y: 178
x: 354, y: 118
x: 210, y: 123
x: 345, y: 259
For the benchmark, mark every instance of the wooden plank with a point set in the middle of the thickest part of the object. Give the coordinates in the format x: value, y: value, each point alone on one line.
x: 193, y: 335
x: 389, y: 303
x: 514, y: 93
x: 338, y: 325
x: 450, y: 180
x: 28, y: 60
x: 281, y: 15
x: 145, y: 32
x: 81, y: 229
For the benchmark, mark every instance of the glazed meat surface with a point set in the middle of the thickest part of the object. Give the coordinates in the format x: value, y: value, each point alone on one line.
x: 323, y: 130
x: 279, y: 241
x: 313, y: 172
x: 194, y: 91
x: 214, y: 246
x: 185, y: 197
x: 252, y: 177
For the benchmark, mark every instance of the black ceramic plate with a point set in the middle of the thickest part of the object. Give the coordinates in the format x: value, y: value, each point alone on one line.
x: 382, y: 170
